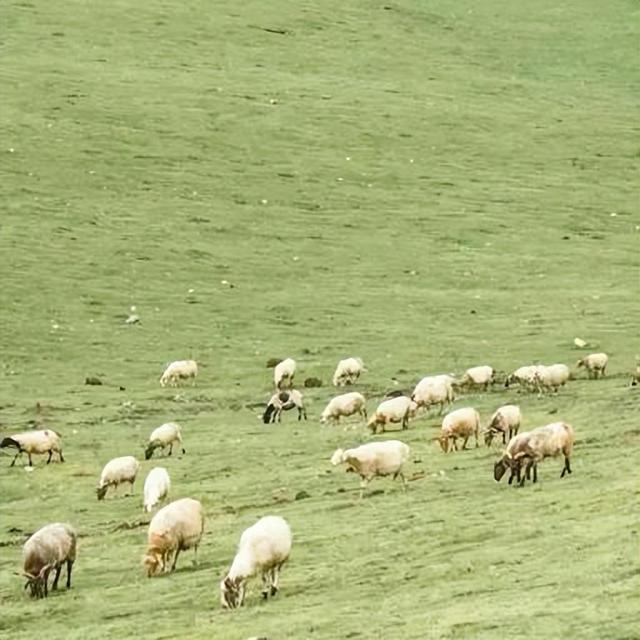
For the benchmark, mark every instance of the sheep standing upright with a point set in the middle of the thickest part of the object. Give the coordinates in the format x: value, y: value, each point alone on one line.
x: 164, y: 436
x: 34, y: 442
x: 264, y: 547
x: 179, y: 370
x: 348, y: 371
x: 156, y: 487
x: 116, y: 472
x: 374, y: 459
x: 48, y: 549
x: 284, y: 372
x: 595, y: 364
x: 174, y: 528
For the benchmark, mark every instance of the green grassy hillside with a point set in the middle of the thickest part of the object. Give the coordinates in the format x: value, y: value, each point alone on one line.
x: 429, y: 186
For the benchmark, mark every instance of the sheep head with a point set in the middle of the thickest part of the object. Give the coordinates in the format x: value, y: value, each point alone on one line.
x: 337, y: 457
x: 444, y: 443
x: 500, y: 467
x: 489, y: 434
x: 35, y: 583
x: 231, y: 593
x: 148, y: 452
x: 101, y: 492
x: 153, y: 563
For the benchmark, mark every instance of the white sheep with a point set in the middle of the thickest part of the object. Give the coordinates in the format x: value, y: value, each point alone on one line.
x: 264, y: 547
x: 346, y: 404
x: 176, y: 527
x: 284, y: 401
x: 525, y: 377
x: 481, y: 376
x: 551, y: 378
x: 506, y: 420
x: 595, y: 364
x: 434, y: 390
x: 115, y: 472
x: 374, y: 459
x: 284, y: 372
x: 461, y: 423
x: 544, y: 442
x: 164, y: 436
x: 48, y: 549
x: 34, y: 442
x: 348, y: 371
x: 398, y: 409
x: 178, y: 370
x: 156, y: 488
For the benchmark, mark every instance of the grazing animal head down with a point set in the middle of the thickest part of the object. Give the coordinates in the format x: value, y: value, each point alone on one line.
x: 500, y: 467
x: 268, y: 412
x: 444, y: 443
x: 152, y: 562
x: 9, y: 442
x: 148, y: 452
x: 231, y: 595
x: 36, y: 583
x: 488, y: 436
x: 101, y: 492
x: 337, y: 457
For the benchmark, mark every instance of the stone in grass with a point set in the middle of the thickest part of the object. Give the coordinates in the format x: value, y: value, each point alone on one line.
x: 93, y: 380
x: 272, y: 362
x: 312, y: 382
x: 301, y: 495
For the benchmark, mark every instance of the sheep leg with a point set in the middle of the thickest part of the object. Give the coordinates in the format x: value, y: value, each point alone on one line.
x: 46, y: 585
x: 275, y: 577
x: 50, y: 454
x: 15, y: 457
x: 54, y: 586
x: 170, y: 448
x: 30, y: 460
x: 60, y: 455
x: 69, y: 566
x: 566, y: 468
x: 476, y: 435
x: 364, y: 483
x: 175, y: 559
x: 535, y: 471
x: 266, y: 585
x: 464, y: 443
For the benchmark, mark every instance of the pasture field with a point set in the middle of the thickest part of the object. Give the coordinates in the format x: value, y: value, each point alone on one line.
x: 427, y: 185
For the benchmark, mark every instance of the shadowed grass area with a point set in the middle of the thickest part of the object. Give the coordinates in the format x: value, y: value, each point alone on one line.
x: 429, y: 186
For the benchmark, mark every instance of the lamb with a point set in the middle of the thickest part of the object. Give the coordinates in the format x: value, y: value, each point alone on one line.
x: 552, y: 377
x: 348, y: 371
x: 395, y: 410
x: 115, y: 472
x: 178, y: 370
x: 283, y: 373
x: 48, y: 548
x: 506, y: 420
x: 264, y: 547
x: 164, y: 436
x: 374, y: 459
x: 38, y: 442
x: 543, y: 442
x: 434, y: 390
x: 595, y: 364
x: 481, y: 376
x: 176, y: 527
x: 284, y: 401
x: 344, y: 405
x: 461, y: 423
x: 156, y: 488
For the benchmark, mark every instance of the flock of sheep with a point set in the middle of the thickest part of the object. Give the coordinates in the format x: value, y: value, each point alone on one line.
x: 265, y: 547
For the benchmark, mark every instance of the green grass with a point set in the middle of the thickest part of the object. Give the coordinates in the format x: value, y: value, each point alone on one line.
x: 446, y: 175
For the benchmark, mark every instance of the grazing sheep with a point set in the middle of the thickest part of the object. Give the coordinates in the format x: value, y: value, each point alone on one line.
x: 156, y: 488
x: 374, y: 459
x: 461, y: 423
x: 283, y: 401
x: 48, y: 548
x: 344, y: 405
x: 38, y: 442
x: 525, y: 377
x: 474, y: 377
x: 635, y: 378
x: 264, y: 547
x: 509, y: 459
x: 176, y: 527
x: 164, y: 436
x: 115, y: 472
x: 395, y: 410
x: 595, y: 364
x: 544, y: 442
x: 551, y: 378
x: 283, y: 373
x: 348, y: 371
x: 434, y: 390
x: 506, y: 420
x: 178, y: 370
